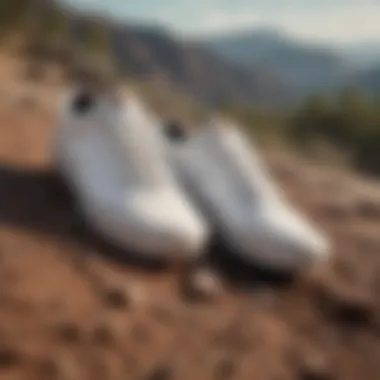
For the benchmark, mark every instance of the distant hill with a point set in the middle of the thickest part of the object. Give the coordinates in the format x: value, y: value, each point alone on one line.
x: 307, y: 68
x: 362, y: 55
x: 253, y: 68
x: 369, y: 81
x: 144, y: 51
x: 152, y: 52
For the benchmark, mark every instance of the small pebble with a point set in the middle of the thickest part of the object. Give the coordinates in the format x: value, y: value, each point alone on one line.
x: 69, y: 332
x: 161, y: 372
x: 200, y: 285
x: 347, y: 306
x: 315, y: 367
x: 368, y: 208
x: 116, y: 299
x: 9, y: 357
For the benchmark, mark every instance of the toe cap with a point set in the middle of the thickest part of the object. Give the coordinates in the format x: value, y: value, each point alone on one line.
x: 284, y: 240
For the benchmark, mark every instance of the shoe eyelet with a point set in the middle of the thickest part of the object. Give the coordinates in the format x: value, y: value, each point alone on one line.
x: 175, y: 131
x: 83, y: 103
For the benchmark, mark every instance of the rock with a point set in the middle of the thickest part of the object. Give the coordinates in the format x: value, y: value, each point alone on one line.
x: 225, y: 370
x: 337, y: 210
x: 315, y: 367
x: 69, y: 332
x: 200, y: 285
x: 9, y: 357
x: 161, y: 372
x: 116, y: 299
x: 346, y: 305
x: 368, y: 208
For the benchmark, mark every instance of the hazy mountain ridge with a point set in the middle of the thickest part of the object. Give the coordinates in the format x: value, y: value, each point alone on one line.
x: 363, y: 55
x: 193, y: 69
x: 369, y: 80
x: 305, y: 67
x: 146, y: 51
x: 254, y: 68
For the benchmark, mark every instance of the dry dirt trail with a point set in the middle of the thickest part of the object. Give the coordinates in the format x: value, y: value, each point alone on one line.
x: 70, y: 310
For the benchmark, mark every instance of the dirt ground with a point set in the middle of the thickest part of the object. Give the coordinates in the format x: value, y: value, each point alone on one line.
x: 73, y: 308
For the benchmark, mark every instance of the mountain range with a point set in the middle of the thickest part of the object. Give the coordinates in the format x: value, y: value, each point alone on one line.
x: 259, y: 67
x: 254, y: 67
x: 362, y: 54
x: 193, y: 69
x: 306, y: 68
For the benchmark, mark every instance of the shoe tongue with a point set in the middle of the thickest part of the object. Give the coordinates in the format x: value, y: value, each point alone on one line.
x: 139, y: 137
x: 139, y: 113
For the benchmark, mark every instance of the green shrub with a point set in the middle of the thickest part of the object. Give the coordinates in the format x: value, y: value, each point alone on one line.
x: 367, y: 155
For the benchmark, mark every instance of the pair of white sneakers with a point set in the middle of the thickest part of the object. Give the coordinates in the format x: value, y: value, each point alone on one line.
x: 162, y: 197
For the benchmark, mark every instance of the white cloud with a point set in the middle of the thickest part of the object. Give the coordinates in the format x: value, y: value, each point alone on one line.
x: 335, y: 24
x: 340, y: 25
x: 336, y: 21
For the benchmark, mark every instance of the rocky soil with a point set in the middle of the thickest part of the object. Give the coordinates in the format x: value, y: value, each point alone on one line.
x: 72, y: 307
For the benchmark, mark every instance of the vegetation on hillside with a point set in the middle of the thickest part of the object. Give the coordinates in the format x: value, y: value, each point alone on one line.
x: 349, y: 121
x: 53, y: 33
x: 346, y: 124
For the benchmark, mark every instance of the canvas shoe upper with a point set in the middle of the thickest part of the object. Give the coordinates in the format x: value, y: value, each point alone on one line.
x: 109, y: 150
x: 226, y: 178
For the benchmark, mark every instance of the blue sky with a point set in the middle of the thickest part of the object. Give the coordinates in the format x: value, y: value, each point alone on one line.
x: 334, y: 21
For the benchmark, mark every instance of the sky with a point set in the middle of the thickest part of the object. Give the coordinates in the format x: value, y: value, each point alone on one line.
x: 327, y: 21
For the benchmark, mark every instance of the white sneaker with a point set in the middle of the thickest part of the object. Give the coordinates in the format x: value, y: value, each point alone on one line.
x: 110, y: 152
x: 227, y: 180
